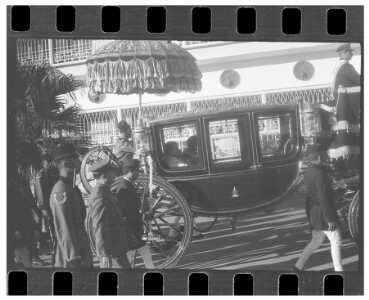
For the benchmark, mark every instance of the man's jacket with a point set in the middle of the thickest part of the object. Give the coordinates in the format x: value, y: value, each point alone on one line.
x: 320, y: 206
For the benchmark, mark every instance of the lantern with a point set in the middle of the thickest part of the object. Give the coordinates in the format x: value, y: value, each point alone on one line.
x: 311, y: 123
x: 142, y: 140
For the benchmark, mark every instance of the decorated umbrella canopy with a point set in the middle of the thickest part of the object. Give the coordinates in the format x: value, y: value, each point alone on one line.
x: 142, y: 66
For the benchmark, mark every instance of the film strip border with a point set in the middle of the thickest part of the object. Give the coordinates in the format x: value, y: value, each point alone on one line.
x: 183, y: 282
x: 236, y: 23
x: 276, y: 23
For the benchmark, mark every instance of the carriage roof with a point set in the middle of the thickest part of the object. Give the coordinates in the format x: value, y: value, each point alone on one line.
x: 219, y: 112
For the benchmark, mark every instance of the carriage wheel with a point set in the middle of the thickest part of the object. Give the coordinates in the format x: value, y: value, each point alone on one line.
x: 354, y: 216
x: 171, y: 223
x: 92, y: 156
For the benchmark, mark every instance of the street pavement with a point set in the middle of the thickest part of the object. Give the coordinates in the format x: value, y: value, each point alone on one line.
x: 265, y: 242
x: 262, y: 241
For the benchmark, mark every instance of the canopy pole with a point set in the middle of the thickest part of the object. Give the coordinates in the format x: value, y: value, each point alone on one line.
x: 140, y: 108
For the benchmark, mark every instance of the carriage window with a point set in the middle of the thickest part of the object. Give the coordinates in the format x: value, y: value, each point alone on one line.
x: 179, y: 144
x: 224, y: 141
x: 276, y: 135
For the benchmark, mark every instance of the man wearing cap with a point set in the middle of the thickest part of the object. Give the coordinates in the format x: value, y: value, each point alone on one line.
x: 107, y: 224
x: 321, y: 210
x: 129, y: 205
x: 69, y: 213
x: 345, y: 74
x: 123, y: 148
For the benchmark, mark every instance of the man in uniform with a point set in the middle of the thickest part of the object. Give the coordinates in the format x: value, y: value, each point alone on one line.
x: 321, y: 210
x: 69, y: 213
x: 107, y: 223
x: 345, y: 74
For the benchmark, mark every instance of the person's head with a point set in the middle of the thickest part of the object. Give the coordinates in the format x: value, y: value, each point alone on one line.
x: 131, y: 168
x: 66, y: 159
x: 192, y: 143
x: 171, y: 149
x: 125, y: 130
x: 47, y: 160
x: 103, y: 171
x: 345, y: 52
x: 313, y: 153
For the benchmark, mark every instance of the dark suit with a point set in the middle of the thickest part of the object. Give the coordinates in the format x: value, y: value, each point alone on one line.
x: 69, y: 213
x: 129, y: 205
x: 320, y: 206
x: 107, y: 226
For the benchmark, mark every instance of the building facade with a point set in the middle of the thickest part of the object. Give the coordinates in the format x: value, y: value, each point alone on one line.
x: 235, y: 74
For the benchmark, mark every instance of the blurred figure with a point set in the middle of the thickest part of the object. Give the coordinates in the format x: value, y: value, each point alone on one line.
x: 24, y: 215
x: 172, y: 155
x: 190, y: 154
x: 69, y: 213
x: 45, y: 181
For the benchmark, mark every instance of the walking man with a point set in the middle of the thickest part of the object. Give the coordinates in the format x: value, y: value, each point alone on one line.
x: 107, y: 226
x: 321, y: 211
x: 69, y: 213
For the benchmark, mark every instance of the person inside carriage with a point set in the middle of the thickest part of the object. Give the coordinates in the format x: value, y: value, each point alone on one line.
x: 344, y: 144
x: 190, y: 154
x: 173, y: 155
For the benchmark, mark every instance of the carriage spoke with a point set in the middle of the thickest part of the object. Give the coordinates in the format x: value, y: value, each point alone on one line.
x: 157, y: 200
x: 161, y: 249
x: 166, y: 211
x: 171, y: 225
x: 160, y: 231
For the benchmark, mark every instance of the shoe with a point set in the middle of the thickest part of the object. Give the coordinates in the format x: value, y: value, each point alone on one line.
x: 36, y: 262
x: 295, y: 269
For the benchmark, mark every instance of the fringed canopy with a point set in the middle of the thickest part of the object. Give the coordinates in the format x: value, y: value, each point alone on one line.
x: 128, y: 67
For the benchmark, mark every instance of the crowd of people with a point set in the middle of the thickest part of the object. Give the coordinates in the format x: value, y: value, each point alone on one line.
x: 57, y: 209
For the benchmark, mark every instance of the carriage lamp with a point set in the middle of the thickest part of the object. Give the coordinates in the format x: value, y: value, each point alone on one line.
x: 142, y: 140
x: 311, y: 123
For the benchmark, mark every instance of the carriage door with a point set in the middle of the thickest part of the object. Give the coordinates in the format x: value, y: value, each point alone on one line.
x: 277, y: 151
x: 233, y: 184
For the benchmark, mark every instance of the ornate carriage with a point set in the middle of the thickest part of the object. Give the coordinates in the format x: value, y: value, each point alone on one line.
x: 219, y: 164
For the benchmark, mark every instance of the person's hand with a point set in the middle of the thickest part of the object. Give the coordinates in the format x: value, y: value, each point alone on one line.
x: 106, y: 262
x: 45, y: 213
x: 331, y: 226
x: 18, y: 235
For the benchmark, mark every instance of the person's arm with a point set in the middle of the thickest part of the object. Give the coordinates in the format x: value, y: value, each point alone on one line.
x: 325, y: 197
x: 65, y: 234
